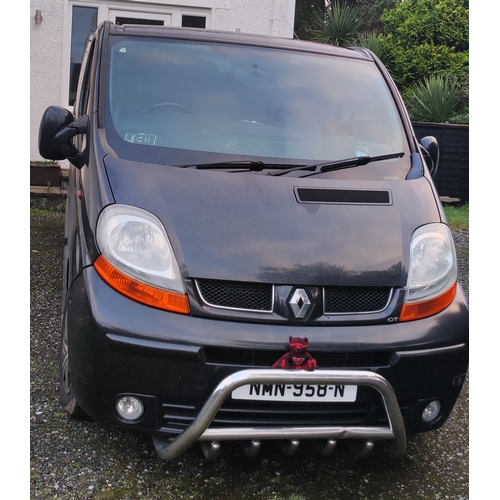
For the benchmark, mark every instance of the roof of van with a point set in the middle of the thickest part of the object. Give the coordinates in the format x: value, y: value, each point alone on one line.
x: 238, y: 38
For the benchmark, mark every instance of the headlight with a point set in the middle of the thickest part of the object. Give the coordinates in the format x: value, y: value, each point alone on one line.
x: 432, y: 273
x: 137, y: 257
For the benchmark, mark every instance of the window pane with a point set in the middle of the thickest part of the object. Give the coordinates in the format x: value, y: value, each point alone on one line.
x: 134, y: 20
x: 193, y: 22
x: 84, y: 21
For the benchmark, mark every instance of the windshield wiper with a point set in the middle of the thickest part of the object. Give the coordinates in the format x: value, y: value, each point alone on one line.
x: 254, y: 166
x: 247, y: 165
x: 258, y: 165
x: 330, y: 166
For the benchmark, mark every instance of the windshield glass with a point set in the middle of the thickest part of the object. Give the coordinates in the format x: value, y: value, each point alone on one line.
x: 181, y: 102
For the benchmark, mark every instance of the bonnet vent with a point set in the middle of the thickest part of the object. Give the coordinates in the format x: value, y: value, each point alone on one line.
x: 343, y: 196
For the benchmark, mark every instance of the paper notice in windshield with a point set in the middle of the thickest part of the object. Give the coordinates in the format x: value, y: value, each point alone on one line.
x: 147, y: 139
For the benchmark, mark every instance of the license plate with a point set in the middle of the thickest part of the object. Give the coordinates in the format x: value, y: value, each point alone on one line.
x: 297, y: 392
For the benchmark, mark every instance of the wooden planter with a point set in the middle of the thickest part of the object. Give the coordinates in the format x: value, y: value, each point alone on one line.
x: 45, y: 174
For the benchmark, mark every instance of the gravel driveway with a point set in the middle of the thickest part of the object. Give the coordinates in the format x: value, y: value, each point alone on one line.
x: 72, y: 459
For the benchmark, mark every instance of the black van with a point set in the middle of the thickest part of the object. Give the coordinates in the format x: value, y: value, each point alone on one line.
x: 254, y: 246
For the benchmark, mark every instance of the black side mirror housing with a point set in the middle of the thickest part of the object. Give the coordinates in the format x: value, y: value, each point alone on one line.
x: 57, y: 129
x: 430, y: 149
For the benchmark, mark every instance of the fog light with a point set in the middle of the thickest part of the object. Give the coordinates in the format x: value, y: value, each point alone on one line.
x: 431, y: 411
x: 129, y: 408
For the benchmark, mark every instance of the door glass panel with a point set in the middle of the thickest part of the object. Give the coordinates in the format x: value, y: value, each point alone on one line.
x: 133, y: 20
x: 84, y: 21
x: 194, y: 22
x: 131, y: 17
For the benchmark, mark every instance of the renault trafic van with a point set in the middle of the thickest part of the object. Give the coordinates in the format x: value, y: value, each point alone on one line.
x: 254, y: 246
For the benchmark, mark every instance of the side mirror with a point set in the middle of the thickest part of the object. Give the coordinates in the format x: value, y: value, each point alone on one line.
x: 57, y: 129
x: 430, y: 149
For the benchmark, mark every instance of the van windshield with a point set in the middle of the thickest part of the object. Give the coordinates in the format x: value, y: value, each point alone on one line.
x: 180, y: 102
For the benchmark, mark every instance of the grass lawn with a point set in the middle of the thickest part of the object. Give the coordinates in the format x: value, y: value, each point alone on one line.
x: 458, y: 217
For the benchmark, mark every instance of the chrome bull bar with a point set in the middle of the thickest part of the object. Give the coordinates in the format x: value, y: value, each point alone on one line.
x: 394, y: 433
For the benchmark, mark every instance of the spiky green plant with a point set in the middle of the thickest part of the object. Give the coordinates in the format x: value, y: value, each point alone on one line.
x: 339, y: 25
x: 371, y: 41
x: 435, y: 99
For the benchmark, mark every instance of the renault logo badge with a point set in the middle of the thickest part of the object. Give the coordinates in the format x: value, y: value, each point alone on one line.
x: 300, y: 303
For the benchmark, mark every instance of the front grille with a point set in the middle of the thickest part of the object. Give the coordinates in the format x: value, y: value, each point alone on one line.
x: 354, y: 299
x: 250, y: 414
x: 265, y: 359
x: 235, y: 295
x: 367, y: 410
x: 259, y: 297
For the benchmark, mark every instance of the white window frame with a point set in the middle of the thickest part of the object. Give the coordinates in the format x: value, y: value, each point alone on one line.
x: 165, y: 17
x: 153, y: 9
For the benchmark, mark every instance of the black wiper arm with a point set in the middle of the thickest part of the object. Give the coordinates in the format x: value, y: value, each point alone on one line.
x: 251, y: 165
x: 256, y: 166
x: 340, y: 164
x: 354, y: 162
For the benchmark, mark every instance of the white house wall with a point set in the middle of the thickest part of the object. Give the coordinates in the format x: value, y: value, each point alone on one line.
x: 45, y: 63
x: 267, y: 17
x: 49, y: 40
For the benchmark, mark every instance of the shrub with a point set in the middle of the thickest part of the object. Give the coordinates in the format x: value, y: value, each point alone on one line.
x: 427, y: 37
x: 339, y: 25
x: 435, y: 99
x: 373, y: 41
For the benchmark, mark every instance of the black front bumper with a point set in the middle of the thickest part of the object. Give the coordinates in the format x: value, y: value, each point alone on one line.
x: 176, y: 363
